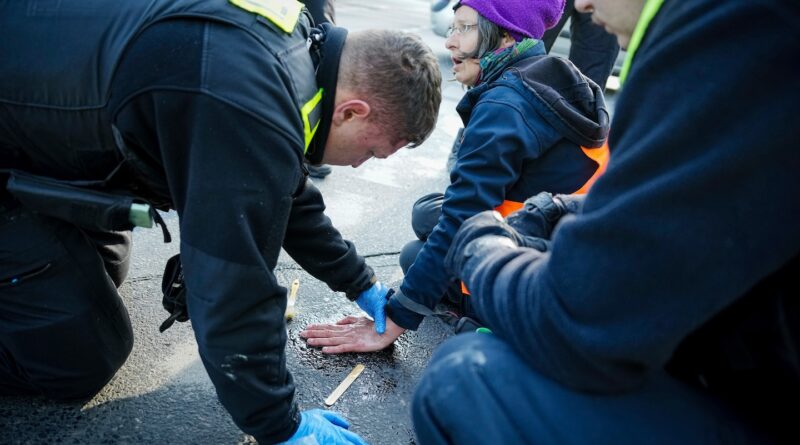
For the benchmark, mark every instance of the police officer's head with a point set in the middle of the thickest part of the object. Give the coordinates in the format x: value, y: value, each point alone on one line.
x: 387, y: 96
x: 618, y: 17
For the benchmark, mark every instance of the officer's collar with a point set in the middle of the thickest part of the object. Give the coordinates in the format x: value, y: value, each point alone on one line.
x: 329, y: 42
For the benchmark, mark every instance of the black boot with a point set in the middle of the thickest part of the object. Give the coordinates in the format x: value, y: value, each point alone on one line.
x: 319, y: 170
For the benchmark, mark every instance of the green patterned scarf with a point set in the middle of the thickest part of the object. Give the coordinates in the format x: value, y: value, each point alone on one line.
x: 493, y: 63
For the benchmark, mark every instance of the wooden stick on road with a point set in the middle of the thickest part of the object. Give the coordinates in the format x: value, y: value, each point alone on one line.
x: 290, y: 311
x: 344, y: 385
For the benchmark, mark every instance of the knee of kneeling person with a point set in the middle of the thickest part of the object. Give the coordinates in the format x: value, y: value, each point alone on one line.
x: 85, y: 373
x: 456, y: 366
x: 425, y: 214
x: 409, y: 254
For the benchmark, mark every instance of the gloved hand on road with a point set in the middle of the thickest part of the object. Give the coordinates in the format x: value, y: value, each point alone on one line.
x: 372, y: 301
x: 484, y: 232
x: 321, y: 427
x: 540, y: 213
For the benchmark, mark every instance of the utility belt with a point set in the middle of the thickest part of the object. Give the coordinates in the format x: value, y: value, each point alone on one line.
x: 81, y: 203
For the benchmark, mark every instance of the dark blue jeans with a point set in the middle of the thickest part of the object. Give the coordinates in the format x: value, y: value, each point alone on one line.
x: 476, y: 390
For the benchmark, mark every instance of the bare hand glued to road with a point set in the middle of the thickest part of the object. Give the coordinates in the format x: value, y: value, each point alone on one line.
x: 351, y: 334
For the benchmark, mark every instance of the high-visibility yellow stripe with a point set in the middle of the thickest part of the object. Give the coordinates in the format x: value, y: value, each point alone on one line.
x: 648, y: 12
x: 283, y: 13
x: 306, y: 112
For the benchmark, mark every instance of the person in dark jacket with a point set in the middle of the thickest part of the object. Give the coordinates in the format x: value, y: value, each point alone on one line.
x: 207, y: 107
x: 667, y: 309
x: 591, y: 48
x: 533, y: 123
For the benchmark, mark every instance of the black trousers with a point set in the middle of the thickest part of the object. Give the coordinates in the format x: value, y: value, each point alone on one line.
x: 64, y: 331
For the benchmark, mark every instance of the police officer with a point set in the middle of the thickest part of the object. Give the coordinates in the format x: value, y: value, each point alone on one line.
x: 208, y: 107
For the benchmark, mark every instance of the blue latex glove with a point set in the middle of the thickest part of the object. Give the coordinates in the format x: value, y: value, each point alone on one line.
x: 318, y: 426
x: 372, y: 301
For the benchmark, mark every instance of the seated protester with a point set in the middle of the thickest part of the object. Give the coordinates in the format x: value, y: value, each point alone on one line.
x: 666, y: 310
x: 532, y: 122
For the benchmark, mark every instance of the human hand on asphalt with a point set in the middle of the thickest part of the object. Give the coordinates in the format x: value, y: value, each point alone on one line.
x: 318, y: 426
x: 372, y: 301
x: 351, y: 334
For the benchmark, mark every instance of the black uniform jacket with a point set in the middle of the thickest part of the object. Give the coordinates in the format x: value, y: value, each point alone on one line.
x: 200, y: 103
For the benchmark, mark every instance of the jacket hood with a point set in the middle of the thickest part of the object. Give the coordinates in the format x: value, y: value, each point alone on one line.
x: 565, y: 98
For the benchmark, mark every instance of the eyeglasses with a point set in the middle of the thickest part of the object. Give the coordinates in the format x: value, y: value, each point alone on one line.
x: 460, y: 29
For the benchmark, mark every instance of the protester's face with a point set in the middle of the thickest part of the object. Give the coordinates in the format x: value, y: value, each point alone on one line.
x: 355, y: 141
x: 618, y: 17
x: 466, y: 70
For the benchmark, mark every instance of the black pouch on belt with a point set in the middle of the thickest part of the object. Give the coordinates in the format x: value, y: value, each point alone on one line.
x: 174, y: 289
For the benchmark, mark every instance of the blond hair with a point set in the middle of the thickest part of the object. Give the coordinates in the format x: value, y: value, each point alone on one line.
x: 398, y: 75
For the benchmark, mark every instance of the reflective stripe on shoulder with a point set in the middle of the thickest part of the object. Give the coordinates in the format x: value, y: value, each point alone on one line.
x: 283, y: 13
x: 312, y: 114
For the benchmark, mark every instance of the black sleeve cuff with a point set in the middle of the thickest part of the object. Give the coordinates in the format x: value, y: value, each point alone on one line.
x: 401, y: 316
x: 364, y: 282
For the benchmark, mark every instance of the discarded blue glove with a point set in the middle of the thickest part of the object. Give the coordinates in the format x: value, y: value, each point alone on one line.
x: 372, y: 301
x: 318, y: 426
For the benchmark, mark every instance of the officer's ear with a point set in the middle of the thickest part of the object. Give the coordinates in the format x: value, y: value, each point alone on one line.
x: 349, y: 110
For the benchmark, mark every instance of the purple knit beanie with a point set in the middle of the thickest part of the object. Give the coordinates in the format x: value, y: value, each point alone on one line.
x: 521, y: 18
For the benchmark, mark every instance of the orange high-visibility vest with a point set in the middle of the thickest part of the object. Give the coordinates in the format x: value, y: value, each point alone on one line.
x: 599, y: 155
